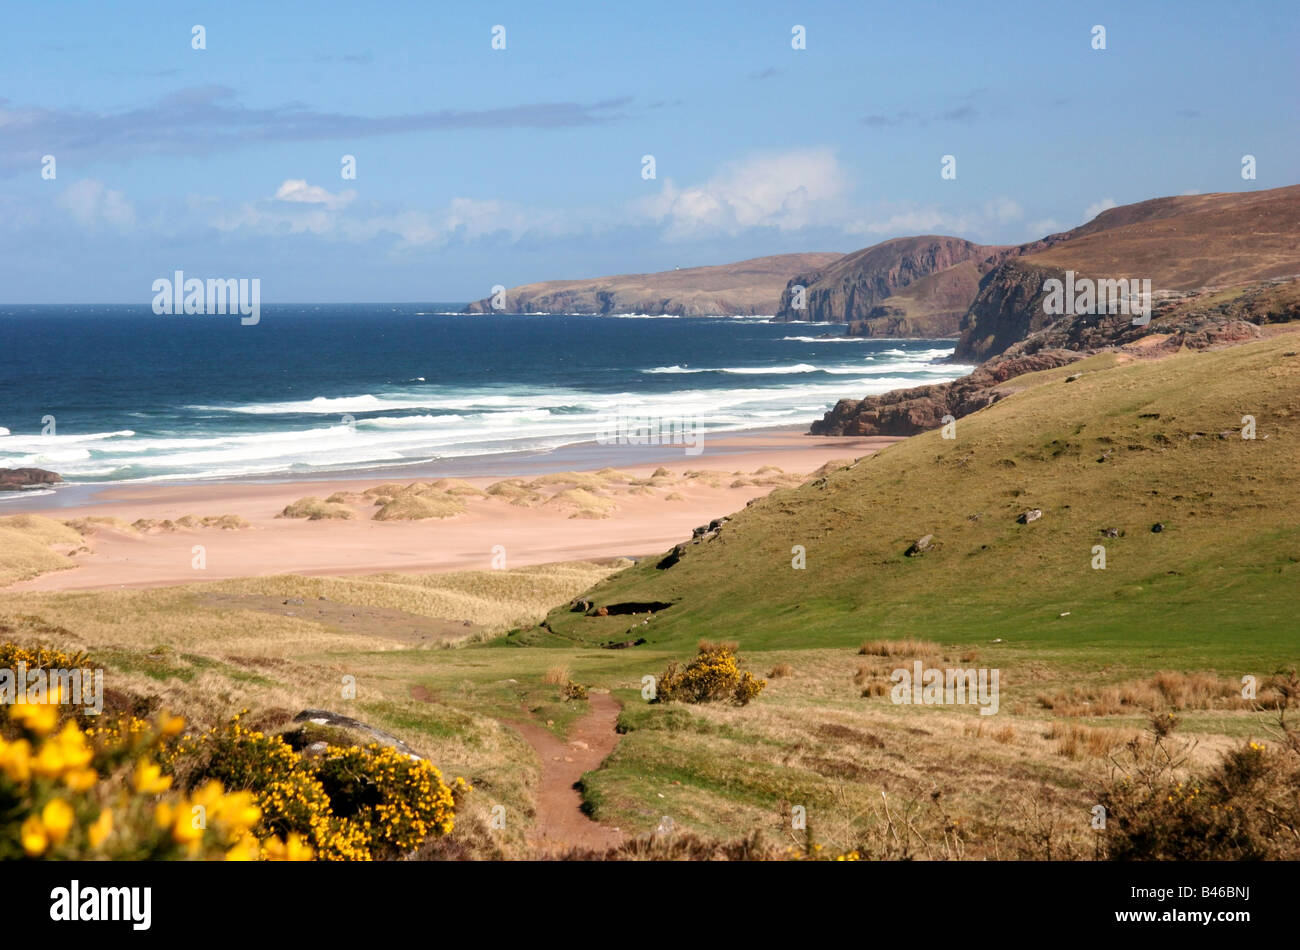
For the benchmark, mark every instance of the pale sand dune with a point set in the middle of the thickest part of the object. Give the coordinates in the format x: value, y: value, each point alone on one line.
x: 642, y: 524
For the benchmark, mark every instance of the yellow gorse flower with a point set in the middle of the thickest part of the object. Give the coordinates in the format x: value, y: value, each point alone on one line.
x: 33, y: 837
x: 169, y: 726
x: 16, y: 760
x: 294, y: 848
x: 381, y: 803
x: 149, y: 780
x: 100, y: 829
x: 40, y: 718
x: 57, y: 817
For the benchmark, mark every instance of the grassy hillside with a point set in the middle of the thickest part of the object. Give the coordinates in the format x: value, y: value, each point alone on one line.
x: 1087, y: 657
x: 1188, y: 241
x: 1123, y: 447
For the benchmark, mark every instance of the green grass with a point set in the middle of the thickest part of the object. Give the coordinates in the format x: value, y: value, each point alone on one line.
x: 1213, y: 594
x: 1216, y: 588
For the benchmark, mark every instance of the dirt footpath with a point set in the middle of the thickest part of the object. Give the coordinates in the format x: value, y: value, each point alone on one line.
x: 561, y: 823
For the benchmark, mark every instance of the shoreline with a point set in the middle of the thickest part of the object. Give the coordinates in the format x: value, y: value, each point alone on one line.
x: 641, y: 522
x: 587, y: 455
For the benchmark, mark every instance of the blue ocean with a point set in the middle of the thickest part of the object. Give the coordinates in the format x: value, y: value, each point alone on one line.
x: 119, y: 394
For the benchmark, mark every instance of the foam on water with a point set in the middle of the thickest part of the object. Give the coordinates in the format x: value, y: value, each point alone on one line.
x: 514, y: 384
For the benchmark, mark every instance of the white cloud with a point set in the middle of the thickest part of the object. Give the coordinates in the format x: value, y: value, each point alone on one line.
x: 299, y: 208
x: 1098, y: 207
x: 1004, y: 209
x: 912, y: 221
x: 786, y: 190
x: 297, y: 190
x: 92, y: 204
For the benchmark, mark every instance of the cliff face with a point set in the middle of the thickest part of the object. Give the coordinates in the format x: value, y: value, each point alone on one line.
x: 1007, y: 307
x: 849, y: 289
x: 1192, y: 321
x: 1184, y: 245
x: 746, y: 288
x: 930, y: 307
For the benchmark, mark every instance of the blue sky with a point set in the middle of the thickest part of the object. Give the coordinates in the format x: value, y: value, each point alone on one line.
x: 478, y: 166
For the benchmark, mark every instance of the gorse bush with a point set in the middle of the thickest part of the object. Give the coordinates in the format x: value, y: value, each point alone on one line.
x: 713, y: 675
x: 1245, y: 808
x: 129, y: 788
x: 44, y: 658
x: 350, y: 803
x: 73, y: 793
x: 396, y: 801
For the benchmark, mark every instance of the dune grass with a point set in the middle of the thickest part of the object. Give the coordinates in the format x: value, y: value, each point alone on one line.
x: 313, y: 509
x: 416, y: 506
x: 25, y: 546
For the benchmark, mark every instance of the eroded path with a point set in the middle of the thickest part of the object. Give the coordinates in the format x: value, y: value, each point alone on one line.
x: 561, y: 823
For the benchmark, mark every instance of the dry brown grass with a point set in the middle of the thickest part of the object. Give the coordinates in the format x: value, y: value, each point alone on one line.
x: 780, y: 670
x: 1076, y: 741
x: 909, y: 647
x: 557, y: 675
x: 1004, y: 734
x: 1166, y: 690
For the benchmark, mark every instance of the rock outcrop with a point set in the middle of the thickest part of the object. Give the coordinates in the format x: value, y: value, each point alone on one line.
x: 356, y: 731
x: 909, y: 411
x: 1195, y: 321
x: 18, y: 479
x: 1185, y: 321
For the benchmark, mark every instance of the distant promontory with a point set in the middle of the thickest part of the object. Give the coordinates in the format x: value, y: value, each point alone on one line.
x: 746, y: 288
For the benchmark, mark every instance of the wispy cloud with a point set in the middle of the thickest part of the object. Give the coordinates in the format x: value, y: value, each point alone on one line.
x: 209, y: 119
x: 960, y: 113
x: 974, y: 222
x: 353, y: 59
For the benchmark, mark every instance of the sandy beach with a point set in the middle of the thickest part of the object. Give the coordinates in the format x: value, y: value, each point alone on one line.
x: 640, y: 522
